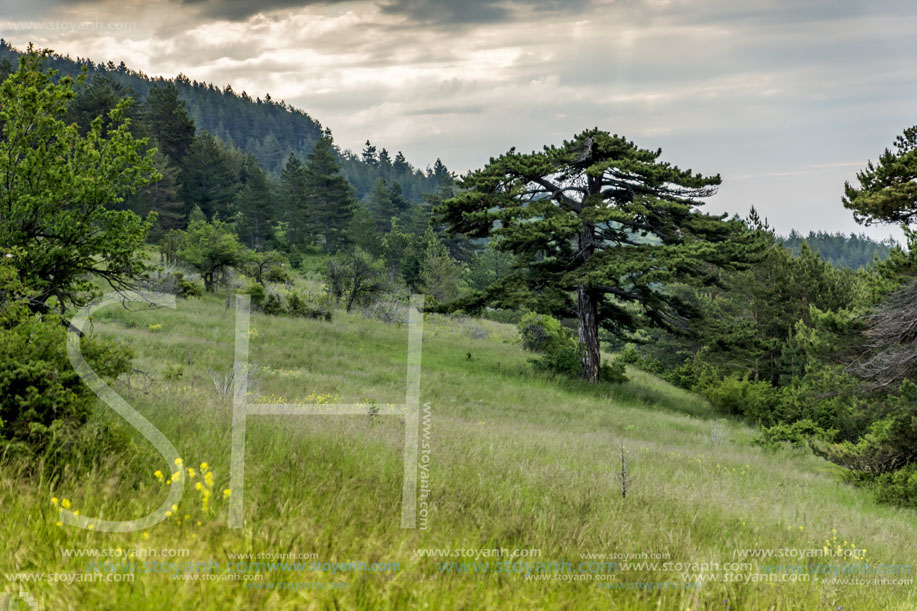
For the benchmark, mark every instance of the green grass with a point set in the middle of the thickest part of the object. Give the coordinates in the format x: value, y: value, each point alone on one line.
x: 517, y: 460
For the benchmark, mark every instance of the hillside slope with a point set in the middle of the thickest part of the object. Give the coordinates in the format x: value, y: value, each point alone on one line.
x: 517, y: 461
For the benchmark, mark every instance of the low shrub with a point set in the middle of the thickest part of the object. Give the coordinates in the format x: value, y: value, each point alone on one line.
x: 753, y: 400
x: 798, y: 434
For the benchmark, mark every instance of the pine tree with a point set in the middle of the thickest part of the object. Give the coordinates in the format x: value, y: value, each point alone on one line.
x: 160, y: 197
x: 6, y: 69
x: 440, y: 276
x: 400, y: 166
x: 295, y: 203
x: 599, y: 228
x: 369, y: 155
x: 255, y: 203
x: 207, y: 178
x: 96, y: 98
x: 328, y: 194
x: 167, y: 119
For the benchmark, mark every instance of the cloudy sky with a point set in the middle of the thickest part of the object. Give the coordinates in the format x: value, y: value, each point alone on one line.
x: 786, y: 99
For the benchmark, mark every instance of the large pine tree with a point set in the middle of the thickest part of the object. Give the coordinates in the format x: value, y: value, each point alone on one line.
x: 598, y: 227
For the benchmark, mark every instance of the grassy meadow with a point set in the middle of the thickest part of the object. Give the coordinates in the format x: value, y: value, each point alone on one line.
x: 518, y: 461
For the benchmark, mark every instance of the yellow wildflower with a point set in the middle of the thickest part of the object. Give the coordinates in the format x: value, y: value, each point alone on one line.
x: 65, y: 503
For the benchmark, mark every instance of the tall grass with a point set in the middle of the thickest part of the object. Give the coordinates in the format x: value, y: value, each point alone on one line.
x: 518, y: 460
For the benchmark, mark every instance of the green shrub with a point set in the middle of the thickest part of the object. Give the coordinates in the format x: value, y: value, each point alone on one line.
x: 272, y: 305
x: 43, y: 402
x: 188, y: 289
x: 257, y: 293
x: 898, y: 487
x: 542, y: 333
x: 545, y: 335
x: 613, y: 371
x: 560, y: 351
x: 277, y: 274
x: 798, y: 434
x: 297, y: 306
x: 755, y: 401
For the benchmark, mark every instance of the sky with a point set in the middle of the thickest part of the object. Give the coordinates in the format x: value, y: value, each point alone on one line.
x: 785, y: 99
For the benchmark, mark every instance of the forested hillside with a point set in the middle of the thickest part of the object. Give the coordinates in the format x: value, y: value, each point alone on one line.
x: 267, y: 129
x: 852, y: 250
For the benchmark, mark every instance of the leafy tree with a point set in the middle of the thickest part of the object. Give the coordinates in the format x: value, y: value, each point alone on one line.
x: 403, y: 252
x: 167, y: 118
x: 44, y: 405
x: 210, y: 248
x: 59, y: 187
x: 354, y: 275
x: 888, y: 190
x: 259, y: 264
x: 329, y: 196
x: 599, y: 218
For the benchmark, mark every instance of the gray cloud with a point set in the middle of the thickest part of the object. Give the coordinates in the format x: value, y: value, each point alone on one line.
x: 779, y: 97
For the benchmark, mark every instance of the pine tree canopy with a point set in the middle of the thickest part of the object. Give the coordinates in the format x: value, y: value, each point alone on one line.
x: 888, y: 190
x: 598, y: 227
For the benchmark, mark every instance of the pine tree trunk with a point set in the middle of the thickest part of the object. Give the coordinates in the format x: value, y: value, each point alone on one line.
x: 589, y: 333
x: 588, y: 310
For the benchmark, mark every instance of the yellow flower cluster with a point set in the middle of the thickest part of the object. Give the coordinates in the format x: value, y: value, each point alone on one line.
x: 843, y: 549
x: 203, y: 484
x: 65, y: 504
x: 322, y: 399
x: 155, y: 327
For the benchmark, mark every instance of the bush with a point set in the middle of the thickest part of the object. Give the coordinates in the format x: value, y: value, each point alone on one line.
x: 798, y: 434
x: 898, y: 487
x: 272, y: 305
x: 43, y: 402
x: 297, y: 306
x: 278, y: 274
x: 545, y: 335
x: 188, y: 289
x: 542, y: 334
x: 257, y: 294
x: 756, y: 401
x: 613, y: 372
